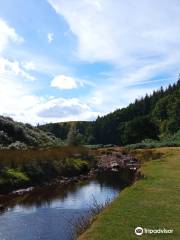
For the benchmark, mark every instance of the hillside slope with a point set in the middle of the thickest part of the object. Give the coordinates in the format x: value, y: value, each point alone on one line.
x: 149, y: 117
x: 60, y: 130
x: 15, y: 134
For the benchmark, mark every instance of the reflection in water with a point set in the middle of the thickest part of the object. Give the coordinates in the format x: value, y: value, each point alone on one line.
x: 47, y: 212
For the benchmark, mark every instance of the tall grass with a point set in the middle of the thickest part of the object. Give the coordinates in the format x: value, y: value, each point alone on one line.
x: 82, y: 223
x: 38, y: 165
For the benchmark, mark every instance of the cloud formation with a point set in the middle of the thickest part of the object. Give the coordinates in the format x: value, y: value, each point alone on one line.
x: 67, y: 109
x: 141, y: 39
x: 64, y: 82
x: 7, y: 35
x: 14, y: 67
x: 122, y: 31
x: 50, y: 37
x: 138, y: 41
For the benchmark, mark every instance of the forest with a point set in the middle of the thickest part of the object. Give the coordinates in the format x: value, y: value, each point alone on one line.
x: 154, y: 117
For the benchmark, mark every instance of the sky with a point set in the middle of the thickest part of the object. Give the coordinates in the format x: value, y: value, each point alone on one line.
x: 64, y: 60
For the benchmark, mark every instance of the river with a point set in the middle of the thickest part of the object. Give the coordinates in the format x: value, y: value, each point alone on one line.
x: 48, y: 213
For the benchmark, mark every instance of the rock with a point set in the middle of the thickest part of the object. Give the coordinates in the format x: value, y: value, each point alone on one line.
x: 22, y: 191
x: 117, y: 161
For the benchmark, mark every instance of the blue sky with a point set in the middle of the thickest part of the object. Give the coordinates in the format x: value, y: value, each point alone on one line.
x: 64, y: 60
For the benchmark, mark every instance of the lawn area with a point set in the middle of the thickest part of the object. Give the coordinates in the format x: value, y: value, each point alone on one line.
x: 152, y: 202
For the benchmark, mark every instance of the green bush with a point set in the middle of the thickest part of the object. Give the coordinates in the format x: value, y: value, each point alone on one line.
x: 165, y: 141
x: 13, y: 177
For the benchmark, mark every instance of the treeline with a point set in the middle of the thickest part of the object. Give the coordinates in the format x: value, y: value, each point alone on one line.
x: 84, y: 130
x: 152, y: 117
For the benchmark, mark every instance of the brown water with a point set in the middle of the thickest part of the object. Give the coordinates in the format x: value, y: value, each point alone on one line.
x: 47, y: 213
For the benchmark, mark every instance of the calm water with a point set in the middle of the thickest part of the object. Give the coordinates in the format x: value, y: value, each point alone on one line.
x: 47, y: 213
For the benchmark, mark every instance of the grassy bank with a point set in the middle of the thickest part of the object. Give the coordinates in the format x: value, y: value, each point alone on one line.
x: 20, y: 168
x: 152, y: 202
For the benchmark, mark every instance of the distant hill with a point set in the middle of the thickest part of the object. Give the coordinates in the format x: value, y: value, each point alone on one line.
x: 16, y: 134
x: 60, y: 130
x: 150, y: 117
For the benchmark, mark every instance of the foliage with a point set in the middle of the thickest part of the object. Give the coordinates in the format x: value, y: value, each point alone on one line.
x: 39, y: 165
x: 15, y: 134
x: 61, y: 130
x: 167, y: 113
x: 13, y: 177
x: 149, y: 117
x: 17, y: 145
x: 72, y: 137
x: 165, y: 141
x: 137, y: 129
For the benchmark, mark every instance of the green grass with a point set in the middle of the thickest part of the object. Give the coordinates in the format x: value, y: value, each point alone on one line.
x: 152, y: 202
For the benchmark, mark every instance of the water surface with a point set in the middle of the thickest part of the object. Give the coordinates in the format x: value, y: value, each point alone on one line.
x: 48, y: 213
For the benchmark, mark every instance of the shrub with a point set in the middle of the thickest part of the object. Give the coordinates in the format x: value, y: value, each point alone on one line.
x: 165, y: 141
x: 17, y: 145
x: 13, y: 177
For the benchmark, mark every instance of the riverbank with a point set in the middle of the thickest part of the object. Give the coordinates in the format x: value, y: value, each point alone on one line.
x: 32, y: 167
x: 62, y: 181
x: 22, y: 170
x: 152, y: 202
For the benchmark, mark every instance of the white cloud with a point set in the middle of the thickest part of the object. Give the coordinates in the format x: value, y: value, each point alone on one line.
x: 44, y: 64
x: 141, y: 39
x: 18, y: 101
x: 67, y: 82
x: 29, y: 66
x: 121, y: 88
x: 8, y: 34
x: 43, y: 110
x: 50, y: 37
x: 122, y: 31
x: 17, y: 96
x: 64, y: 82
x: 61, y: 109
x: 14, y: 67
